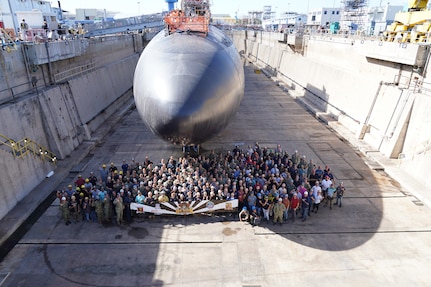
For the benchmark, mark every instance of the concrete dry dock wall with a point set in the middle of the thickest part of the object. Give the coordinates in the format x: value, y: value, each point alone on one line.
x: 357, y: 83
x: 18, y: 177
x: 75, y: 106
x: 60, y: 115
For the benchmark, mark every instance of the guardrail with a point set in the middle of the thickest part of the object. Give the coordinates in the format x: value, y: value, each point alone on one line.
x: 73, y: 72
x: 27, y: 146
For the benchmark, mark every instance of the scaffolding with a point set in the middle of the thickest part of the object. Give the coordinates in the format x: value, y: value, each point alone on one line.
x: 354, y: 15
x: 194, y: 16
x: 254, y: 17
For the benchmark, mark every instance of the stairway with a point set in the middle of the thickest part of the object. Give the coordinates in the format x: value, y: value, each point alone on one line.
x: 26, y: 146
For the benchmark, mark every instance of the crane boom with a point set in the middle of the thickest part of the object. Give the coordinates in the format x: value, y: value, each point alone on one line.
x: 417, y: 5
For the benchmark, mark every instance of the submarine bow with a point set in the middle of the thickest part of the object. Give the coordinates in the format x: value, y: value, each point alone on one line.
x: 187, y: 87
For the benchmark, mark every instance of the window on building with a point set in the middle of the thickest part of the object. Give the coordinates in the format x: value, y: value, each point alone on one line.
x: 313, y: 18
x: 333, y: 12
x: 338, y: 12
x: 325, y: 12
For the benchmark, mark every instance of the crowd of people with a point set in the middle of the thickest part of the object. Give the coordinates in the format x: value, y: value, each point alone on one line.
x: 269, y: 184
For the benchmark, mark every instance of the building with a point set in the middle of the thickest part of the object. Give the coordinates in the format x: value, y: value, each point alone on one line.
x: 88, y: 14
x: 222, y: 19
x: 380, y: 17
x: 254, y: 18
x: 267, y: 13
x: 11, y: 11
x: 286, y: 20
x: 354, y: 15
x: 322, y: 17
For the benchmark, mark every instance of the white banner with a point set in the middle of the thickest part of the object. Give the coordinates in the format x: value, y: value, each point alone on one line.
x: 186, y: 208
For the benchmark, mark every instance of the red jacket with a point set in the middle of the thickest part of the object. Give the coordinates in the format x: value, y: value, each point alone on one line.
x: 294, y: 203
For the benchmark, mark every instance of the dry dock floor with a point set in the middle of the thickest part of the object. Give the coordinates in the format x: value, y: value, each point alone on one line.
x: 380, y: 237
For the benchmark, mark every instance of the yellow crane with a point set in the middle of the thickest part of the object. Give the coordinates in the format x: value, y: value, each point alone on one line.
x: 411, y: 26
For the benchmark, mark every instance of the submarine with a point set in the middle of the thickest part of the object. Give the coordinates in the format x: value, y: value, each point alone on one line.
x: 189, y: 80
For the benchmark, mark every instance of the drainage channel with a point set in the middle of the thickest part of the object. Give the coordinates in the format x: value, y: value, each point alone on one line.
x: 7, y: 246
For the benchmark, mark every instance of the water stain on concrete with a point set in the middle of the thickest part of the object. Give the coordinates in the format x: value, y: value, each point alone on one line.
x: 228, y: 231
x: 138, y: 232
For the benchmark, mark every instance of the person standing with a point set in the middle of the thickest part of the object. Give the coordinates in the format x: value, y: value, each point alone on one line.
x: 251, y: 200
x: 119, y: 207
x: 24, y: 29
x: 86, y: 209
x: 104, y: 174
x: 305, y: 206
x: 92, y: 178
x: 127, y: 200
x: 314, y: 191
x: 286, y: 203
x: 330, y: 195
x: 107, y: 207
x: 79, y: 181
x: 316, y: 201
x: 265, y: 208
x: 294, y: 205
x: 64, y: 209
x: 326, y: 183
x: 340, y: 193
x: 125, y: 167
x: 74, y: 208
x: 278, y: 211
x: 45, y: 27
x: 98, y: 203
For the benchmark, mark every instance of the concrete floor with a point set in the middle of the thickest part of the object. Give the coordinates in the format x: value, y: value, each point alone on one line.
x: 380, y: 237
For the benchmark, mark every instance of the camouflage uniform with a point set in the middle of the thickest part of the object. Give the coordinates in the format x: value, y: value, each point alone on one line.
x: 64, y: 209
x: 278, y: 211
x: 99, y: 210
x: 119, y: 207
x: 74, y: 209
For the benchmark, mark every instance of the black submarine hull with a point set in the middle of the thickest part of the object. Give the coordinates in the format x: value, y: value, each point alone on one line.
x: 188, y: 87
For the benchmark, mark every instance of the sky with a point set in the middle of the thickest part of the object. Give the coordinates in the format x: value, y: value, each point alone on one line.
x: 136, y: 7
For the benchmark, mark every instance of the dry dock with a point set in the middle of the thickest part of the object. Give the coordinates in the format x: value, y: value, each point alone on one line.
x: 380, y: 237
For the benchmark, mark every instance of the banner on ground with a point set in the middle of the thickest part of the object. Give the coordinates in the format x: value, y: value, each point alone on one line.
x: 186, y: 208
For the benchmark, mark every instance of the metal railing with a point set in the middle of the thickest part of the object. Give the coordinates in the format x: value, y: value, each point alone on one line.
x: 27, y: 146
x: 11, y: 94
x: 7, y: 39
x: 73, y: 72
